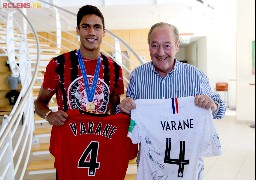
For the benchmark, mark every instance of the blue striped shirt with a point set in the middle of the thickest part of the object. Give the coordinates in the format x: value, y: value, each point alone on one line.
x: 184, y: 80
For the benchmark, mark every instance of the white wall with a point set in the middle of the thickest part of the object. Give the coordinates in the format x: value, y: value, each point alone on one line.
x: 191, y: 55
x: 225, y: 54
x: 202, y: 54
x: 217, y: 51
x: 196, y: 54
x: 221, y: 48
x: 245, y: 34
x: 181, y: 55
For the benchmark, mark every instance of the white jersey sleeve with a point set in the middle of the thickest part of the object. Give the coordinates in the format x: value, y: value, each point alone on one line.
x: 211, y: 144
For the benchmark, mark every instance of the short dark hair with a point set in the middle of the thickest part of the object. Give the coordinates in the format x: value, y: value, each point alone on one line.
x: 89, y: 9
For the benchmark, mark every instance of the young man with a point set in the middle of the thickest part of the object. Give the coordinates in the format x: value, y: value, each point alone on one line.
x: 82, y: 79
x: 88, y: 86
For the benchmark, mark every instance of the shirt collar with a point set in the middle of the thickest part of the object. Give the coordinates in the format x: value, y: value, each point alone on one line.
x: 176, y: 65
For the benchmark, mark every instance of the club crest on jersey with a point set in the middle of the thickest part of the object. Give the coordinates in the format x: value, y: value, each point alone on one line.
x: 77, y: 97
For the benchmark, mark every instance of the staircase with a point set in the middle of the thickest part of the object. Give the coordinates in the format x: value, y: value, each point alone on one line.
x: 42, y: 130
x: 5, y: 107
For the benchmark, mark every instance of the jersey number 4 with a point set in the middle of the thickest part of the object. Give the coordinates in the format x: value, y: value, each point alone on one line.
x: 180, y: 161
x: 90, y: 163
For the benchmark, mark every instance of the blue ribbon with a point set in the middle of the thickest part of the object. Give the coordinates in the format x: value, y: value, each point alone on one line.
x: 89, y: 91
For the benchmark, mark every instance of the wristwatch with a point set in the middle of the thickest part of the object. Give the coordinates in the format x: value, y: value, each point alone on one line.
x: 46, y: 115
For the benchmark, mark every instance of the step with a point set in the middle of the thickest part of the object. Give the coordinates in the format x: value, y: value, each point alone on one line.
x: 35, y: 93
x: 41, y: 68
x: 53, y: 101
x: 2, y: 113
x: 30, y: 44
x: 42, y: 63
x: 33, y: 50
x: 37, y: 85
x: 6, y: 108
x: 42, y: 132
x: 40, y: 76
x: 43, y: 56
x: 41, y: 148
x: 38, y: 119
x: 41, y: 167
x: 133, y: 161
x: 53, y: 104
x: 2, y: 53
x: 45, y: 49
x: 30, y: 39
x: 3, y: 66
x: 44, y: 60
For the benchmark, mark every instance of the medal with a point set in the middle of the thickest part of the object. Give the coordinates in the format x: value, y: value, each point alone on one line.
x: 90, y: 106
x: 89, y: 91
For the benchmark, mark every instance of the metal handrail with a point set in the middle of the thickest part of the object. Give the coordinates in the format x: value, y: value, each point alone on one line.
x: 17, y: 107
x: 15, y: 117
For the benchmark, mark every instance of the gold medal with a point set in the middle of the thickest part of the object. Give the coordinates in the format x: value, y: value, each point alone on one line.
x: 90, y: 106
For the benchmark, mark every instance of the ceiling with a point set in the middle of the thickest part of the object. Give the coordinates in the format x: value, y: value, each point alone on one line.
x: 188, y: 15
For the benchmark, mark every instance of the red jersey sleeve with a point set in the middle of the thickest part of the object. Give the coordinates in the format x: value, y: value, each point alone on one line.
x: 51, y: 78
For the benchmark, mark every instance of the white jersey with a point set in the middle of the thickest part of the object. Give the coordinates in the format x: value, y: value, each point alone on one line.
x: 173, y: 134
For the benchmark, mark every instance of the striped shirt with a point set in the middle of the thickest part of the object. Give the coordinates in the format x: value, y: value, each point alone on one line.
x: 183, y: 81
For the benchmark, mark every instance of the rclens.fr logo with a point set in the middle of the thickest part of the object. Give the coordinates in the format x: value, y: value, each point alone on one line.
x: 21, y: 5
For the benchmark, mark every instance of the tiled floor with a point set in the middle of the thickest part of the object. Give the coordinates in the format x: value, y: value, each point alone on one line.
x: 236, y: 163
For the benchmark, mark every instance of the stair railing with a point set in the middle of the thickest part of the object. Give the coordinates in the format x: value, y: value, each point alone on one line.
x: 23, y: 111
x: 10, y: 44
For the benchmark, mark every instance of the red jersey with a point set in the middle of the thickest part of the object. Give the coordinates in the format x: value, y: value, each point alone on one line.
x: 92, y: 147
x: 63, y: 76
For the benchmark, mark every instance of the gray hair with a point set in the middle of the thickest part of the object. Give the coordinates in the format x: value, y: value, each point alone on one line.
x: 174, y: 29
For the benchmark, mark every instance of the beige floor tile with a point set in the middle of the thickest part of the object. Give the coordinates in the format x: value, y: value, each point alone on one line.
x: 220, y: 174
x: 245, y: 176
x: 228, y: 166
x: 247, y: 169
x: 209, y: 178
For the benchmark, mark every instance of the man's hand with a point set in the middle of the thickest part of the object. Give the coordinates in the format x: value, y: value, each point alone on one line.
x: 57, y: 118
x: 205, y: 102
x: 127, y: 105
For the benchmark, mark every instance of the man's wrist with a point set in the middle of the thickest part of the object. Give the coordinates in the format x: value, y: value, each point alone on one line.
x: 217, y: 104
x: 47, y: 114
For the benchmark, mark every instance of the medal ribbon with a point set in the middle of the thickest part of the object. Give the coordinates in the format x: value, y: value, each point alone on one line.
x: 89, y: 91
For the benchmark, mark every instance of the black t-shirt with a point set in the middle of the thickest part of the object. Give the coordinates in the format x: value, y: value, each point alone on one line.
x: 12, y: 95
